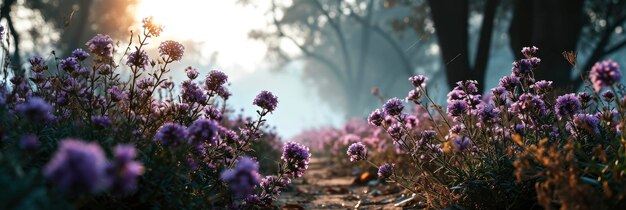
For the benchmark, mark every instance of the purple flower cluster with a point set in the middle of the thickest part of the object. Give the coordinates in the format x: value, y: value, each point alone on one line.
x: 357, y: 151
x: 171, y: 134
x: 215, y: 80
x: 462, y: 143
x: 125, y: 169
x: 172, y: 50
x: 35, y: 109
x: 297, y: 158
x: 101, y: 45
x: 192, y: 93
x: 393, y: 107
x: 138, y: 59
x: 604, y: 74
x: 78, y: 166
x: 587, y: 123
x: 101, y: 120
x: 385, y: 171
x: 457, y: 108
x: 80, y: 54
x: 567, y: 105
x: 266, y: 100
x: 243, y: 178
x: 203, y: 130
x: 418, y: 81
x: 376, y: 117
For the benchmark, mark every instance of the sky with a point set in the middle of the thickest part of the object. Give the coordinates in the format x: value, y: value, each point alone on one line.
x: 222, y: 27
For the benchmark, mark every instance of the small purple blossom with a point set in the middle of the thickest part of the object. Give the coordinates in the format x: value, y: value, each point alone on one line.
x: 172, y: 49
x: 462, y: 143
x: 215, y: 79
x: 213, y: 113
x: 243, y: 178
x: 192, y: 93
x: 529, y: 51
x: 608, y: 96
x: 456, y: 95
x: 266, y: 100
x: 35, y: 109
x: 125, y: 170
x: 418, y: 81
x: 138, y: 59
x: 80, y: 54
x: 376, y: 117
x: 395, y: 131
x: 203, y: 130
x: 509, y: 82
x: 567, y: 105
x: 171, y: 134
x: 393, y: 107
x: 296, y: 157
x: 488, y: 114
x: 542, y: 87
x: 457, y: 108
x: 101, y: 120
x: 605, y: 73
x: 357, y: 151
x: 529, y: 104
x: 70, y: 64
x: 414, y: 96
x: 587, y: 123
x: 78, y: 166
x: 385, y: 171
x: 191, y: 73
x: 38, y: 64
x: 101, y: 45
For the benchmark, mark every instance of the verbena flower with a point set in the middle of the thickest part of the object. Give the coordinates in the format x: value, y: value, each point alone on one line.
x: 357, y: 151
x: 117, y: 94
x: 489, y: 114
x: 604, y: 74
x: 414, y: 96
x: 523, y: 67
x: 138, y: 59
x: 172, y: 50
x: 69, y: 64
x: 80, y: 54
x: 297, y: 158
x: 376, y: 117
x: 213, y: 113
x: 101, y: 45
x: 38, y: 64
x: 192, y: 93
x: 393, y: 107
x: 266, y: 100
x: 456, y: 95
x: 462, y: 143
x: 529, y: 104
x: 203, y: 130
x: 191, y: 73
x: 457, y: 108
x: 529, y: 51
x: 171, y: 134
x: 587, y: 123
x: 567, y: 105
x: 542, y: 87
x: 468, y: 86
x: 35, y: 109
x: 214, y: 80
x: 243, y: 178
x: 418, y: 81
x: 509, y: 82
x: 385, y: 171
x: 395, y: 131
x: 78, y: 166
x: 125, y: 170
x: 608, y: 95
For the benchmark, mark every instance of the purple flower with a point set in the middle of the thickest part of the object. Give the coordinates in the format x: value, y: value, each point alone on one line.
x: 172, y: 49
x: 101, y: 45
x: 529, y: 104
x: 138, y: 59
x: 191, y: 73
x: 587, y: 122
x: 385, y: 171
x: 213, y: 113
x: 529, y: 51
x: 488, y: 114
x: 542, y: 87
x: 376, y: 118
x: 243, y: 178
x: 171, y: 134
x: 608, y: 96
x: 203, y: 130
x: 414, y: 95
x: 395, y: 131
x: 80, y: 54
x: 70, y: 65
x: 35, y: 109
x: 101, y: 120
x: 456, y: 95
x: 393, y: 107
x: 519, y: 129
x: 192, y: 93
x: 418, y: 81
x: 467, y: 86
x: 125, y: 169
x: 357, y: 151
x: 457, y: 108
x: 523, y: 67
x: 117, y: 94
x: 266, y: 100
x: 38, y: 64
x: 462, y: 143
x: 605, y: 73
x: 297, y: 158
x: 509, y: 82
x: 567, y: 105
x: 29, y: 142
x: 78, y: 166
x: 215, y: 79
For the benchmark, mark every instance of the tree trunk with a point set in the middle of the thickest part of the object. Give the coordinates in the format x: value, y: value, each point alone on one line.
x: 450, y: 20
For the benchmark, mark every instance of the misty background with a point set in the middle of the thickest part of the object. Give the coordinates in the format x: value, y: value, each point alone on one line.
x: 323, y: 57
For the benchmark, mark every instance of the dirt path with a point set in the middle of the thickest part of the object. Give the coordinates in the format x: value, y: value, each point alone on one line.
x: 323, y: 188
